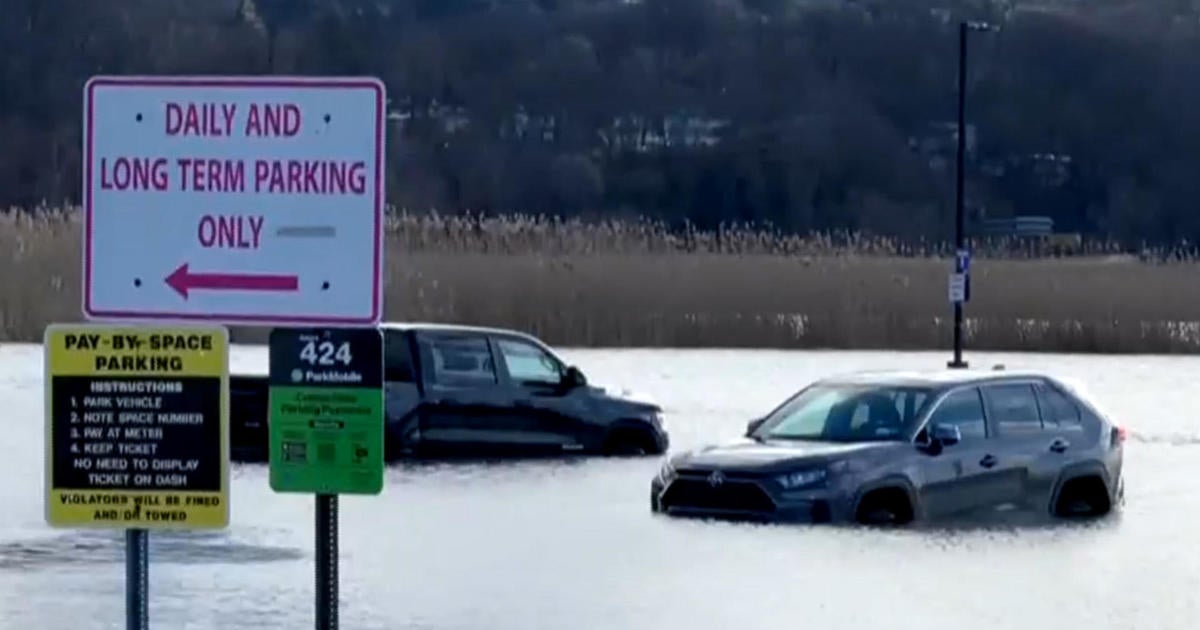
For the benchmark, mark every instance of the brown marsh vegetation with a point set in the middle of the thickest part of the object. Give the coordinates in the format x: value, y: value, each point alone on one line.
x: 634, y: 283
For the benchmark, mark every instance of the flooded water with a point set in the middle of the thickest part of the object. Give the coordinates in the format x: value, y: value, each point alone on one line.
x: 571, y: 544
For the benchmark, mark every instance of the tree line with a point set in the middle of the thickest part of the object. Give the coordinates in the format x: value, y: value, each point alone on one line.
x: 807, y: 115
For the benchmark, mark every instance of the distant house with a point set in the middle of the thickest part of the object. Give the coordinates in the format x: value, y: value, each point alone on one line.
x: 1018, y: 226
x: 643, y: 134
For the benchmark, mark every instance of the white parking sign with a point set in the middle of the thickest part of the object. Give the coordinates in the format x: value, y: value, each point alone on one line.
x: 254, y: 200
x: 958, y: 288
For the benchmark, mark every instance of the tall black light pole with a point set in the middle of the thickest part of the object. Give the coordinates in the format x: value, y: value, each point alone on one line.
x: 961, y: 256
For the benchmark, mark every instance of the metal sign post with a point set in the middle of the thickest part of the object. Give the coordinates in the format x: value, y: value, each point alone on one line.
x: 960, y: 282
x: 957, y: 280
x: 137, y: 580
x: 327, y: 562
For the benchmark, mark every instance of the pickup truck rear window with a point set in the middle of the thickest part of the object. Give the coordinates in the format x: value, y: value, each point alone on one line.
x: 464, y: 360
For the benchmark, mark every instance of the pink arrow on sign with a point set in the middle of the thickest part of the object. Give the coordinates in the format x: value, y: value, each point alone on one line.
x: 184, y: 281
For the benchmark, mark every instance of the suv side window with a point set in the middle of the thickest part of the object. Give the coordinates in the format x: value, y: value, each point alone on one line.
x: 1014, y: 407
x: 397, y: 358
x: 1057, y: 409
x: 963, y: 408
x: 527, y: 363
x: 458, y: 359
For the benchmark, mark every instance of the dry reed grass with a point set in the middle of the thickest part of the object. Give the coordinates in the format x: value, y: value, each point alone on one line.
x: 637, y: 284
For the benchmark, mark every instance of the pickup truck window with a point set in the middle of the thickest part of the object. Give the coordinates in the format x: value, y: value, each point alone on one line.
x: 459, y: 360
x: 528, y: 363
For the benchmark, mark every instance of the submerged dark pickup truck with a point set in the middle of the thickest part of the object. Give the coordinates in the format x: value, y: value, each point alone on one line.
x: 462, y: 391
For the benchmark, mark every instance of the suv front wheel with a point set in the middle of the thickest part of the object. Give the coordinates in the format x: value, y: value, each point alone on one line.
x: 885, y: 506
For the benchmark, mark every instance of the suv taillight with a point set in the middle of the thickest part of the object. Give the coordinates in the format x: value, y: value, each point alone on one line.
x: 1118, y: 435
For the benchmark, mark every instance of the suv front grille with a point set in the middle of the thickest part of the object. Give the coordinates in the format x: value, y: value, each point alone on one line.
x: 698, y: 494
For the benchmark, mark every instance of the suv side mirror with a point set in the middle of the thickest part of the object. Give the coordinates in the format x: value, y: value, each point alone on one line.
x: 574, y: 378
x: 945, y: 434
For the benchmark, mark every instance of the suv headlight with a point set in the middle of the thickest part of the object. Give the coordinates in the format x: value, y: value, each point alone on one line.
x: 801, y: 479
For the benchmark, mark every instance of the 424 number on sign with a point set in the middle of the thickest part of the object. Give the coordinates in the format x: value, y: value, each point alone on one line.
x: 326, y: 353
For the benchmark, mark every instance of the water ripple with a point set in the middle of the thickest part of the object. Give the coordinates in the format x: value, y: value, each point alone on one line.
x: 1174, y: 439
x: 109, y: 547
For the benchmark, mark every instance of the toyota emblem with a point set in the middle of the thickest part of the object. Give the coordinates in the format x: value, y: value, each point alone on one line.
x: 716, y: 478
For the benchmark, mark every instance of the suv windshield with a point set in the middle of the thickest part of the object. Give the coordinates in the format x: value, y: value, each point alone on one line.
x: 846, y: 413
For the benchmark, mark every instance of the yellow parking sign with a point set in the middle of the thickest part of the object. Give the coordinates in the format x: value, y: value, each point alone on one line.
x: 137, y: 426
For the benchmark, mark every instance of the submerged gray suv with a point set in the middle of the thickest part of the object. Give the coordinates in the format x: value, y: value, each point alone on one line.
x: 886, y: 448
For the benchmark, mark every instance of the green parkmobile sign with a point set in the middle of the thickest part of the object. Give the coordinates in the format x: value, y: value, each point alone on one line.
x: 326, y: 410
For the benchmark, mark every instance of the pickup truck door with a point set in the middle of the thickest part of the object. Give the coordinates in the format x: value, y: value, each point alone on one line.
x: 546, y: 417
x: 463, y: 405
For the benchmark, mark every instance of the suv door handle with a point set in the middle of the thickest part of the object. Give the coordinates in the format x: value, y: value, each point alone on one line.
x: 523, y: 403
x: 1059, y: 445
x: 988, y: 461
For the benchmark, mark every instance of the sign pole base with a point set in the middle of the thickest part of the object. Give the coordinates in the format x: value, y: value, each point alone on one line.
x: 137, y: 579
x: 327, y: 561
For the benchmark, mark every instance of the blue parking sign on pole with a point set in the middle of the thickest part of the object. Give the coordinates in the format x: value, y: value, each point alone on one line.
x: 962, y: 261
